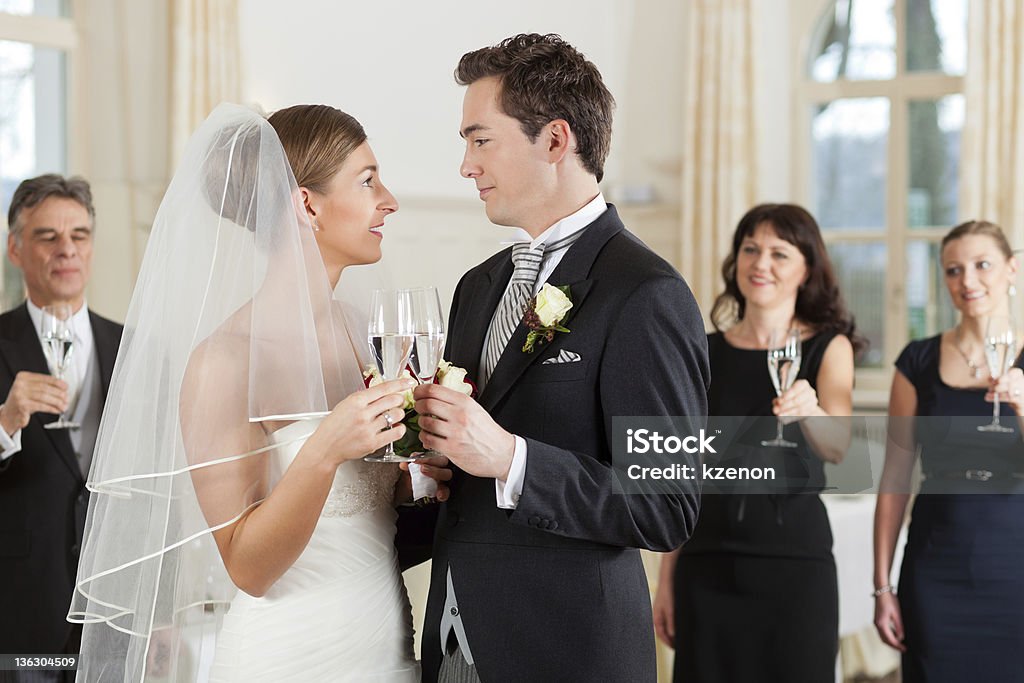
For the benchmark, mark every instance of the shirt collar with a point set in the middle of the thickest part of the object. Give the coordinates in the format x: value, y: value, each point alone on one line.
x: 567, y: 226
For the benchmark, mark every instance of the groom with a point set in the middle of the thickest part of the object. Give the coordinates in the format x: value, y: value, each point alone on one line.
x: 536, y: 576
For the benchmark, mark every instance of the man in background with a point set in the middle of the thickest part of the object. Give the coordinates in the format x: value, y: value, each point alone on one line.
x: 43, y: 499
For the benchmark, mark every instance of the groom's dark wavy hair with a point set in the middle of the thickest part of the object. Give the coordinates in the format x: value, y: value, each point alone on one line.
x: 544, y: 78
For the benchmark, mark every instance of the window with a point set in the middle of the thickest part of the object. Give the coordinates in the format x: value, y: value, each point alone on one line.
x: 36, y: 40
x: 881, y: 96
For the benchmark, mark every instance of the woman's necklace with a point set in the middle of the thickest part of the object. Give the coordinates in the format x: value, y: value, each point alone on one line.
x: 975, y: 367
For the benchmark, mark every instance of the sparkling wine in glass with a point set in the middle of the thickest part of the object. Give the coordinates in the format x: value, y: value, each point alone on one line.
x: 1000, y: 350
x: 391, y: 337
x: 783, y: 366
x: 58, y: 345
x: 428, y: 322
x: 428, y: 326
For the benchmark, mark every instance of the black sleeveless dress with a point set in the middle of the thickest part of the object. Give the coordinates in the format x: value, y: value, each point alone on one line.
x: 961, y: 588
x: 756, y: 591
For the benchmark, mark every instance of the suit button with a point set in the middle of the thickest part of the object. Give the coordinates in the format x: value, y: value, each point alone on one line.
x: 74, y: 550
x: 533, y: 521
x: 455, y: 611
x: 552, y: 525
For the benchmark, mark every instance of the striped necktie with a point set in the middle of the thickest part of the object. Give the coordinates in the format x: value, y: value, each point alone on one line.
x: 526, y: 263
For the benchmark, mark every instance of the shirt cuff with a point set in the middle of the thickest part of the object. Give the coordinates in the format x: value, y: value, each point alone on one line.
x: 9, y: 445
x: 507, y: 492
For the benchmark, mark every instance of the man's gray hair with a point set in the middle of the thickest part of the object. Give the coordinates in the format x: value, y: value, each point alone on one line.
x: 35, y: 191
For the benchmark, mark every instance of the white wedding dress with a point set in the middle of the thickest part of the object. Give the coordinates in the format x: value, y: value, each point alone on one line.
x: 341, y: 612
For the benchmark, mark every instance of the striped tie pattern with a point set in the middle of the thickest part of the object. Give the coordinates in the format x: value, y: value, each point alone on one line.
x: 526, y: 263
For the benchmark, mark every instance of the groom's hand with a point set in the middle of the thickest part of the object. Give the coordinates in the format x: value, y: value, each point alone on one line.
x: 456, y: 425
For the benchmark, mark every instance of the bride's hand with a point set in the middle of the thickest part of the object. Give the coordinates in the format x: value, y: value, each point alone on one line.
x: 357, y: 426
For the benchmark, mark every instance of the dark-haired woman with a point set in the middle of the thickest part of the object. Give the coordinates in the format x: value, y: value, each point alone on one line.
x: 753, y: 595
x: 959, y: 615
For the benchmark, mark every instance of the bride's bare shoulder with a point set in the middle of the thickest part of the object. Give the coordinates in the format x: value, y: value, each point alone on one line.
x: 221, y: 360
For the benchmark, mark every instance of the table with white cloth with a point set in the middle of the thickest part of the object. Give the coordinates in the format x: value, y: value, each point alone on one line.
x: 861, y: 651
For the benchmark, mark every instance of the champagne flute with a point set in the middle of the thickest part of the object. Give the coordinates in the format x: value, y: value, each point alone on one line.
x: 428, y: 327
x: 58, y: 343
x: 1000, y: 350
x: 391, y: 338
x: 783, y: 366
x: 428, y: 323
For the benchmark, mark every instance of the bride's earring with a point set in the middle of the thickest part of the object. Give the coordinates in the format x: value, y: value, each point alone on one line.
x: 1012, y: 291
x: 316, y: 226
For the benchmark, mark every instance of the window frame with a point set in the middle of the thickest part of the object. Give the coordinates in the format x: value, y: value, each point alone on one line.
x: 872, y: 384
x: 60, y: 33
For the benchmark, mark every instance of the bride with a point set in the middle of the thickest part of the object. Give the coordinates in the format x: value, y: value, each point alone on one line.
x: 233, y: 526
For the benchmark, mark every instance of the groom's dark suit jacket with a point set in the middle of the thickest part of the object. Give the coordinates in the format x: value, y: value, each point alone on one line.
x: 555, y: 590
x: 43, y: 501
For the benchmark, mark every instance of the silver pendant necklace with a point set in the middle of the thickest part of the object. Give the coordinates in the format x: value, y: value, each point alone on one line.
x: 975, y: 367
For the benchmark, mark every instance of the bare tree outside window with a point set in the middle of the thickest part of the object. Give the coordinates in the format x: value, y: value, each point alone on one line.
x: 882, y: 167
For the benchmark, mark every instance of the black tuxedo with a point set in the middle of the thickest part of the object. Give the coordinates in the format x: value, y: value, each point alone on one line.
x: 43, y: 501
x: 555, y: 590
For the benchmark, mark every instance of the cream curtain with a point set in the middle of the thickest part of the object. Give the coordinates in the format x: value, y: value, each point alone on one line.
x: 992, y: 160
x: 204, y: 64
x: 719, y: 143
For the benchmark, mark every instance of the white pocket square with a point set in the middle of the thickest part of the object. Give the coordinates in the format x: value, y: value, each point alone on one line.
x: 563, y: 356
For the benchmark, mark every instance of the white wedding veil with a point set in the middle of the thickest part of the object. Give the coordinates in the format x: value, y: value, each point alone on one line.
x: 232, y: 329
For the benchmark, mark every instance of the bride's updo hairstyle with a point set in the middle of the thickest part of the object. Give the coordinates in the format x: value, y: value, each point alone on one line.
x: 317, y: 140
x: 230, y: 173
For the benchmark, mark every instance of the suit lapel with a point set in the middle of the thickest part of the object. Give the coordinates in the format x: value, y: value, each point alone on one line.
x: 20, y: 347
x: 574, y: 270
x: 468, y: 340
x: 106, y: 339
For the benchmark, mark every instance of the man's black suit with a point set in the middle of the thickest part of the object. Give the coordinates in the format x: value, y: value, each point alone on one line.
x: 555, y: 590
x: 43, y: 501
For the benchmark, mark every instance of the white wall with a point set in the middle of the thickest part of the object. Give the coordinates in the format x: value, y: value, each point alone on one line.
x: 390, y: 64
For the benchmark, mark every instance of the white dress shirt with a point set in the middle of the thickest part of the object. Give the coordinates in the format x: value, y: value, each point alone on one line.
x: 507, y: 492
x: 75, y: 375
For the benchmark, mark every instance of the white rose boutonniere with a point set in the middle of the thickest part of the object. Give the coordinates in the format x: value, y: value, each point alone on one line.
x: 544, y: 315
x: 453, y: 377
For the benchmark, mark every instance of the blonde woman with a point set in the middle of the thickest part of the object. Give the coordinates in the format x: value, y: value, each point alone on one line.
x: 959, y: 610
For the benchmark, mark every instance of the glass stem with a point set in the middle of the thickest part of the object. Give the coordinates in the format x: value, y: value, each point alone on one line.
x: 995, y: 409
x: 778, y: 429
